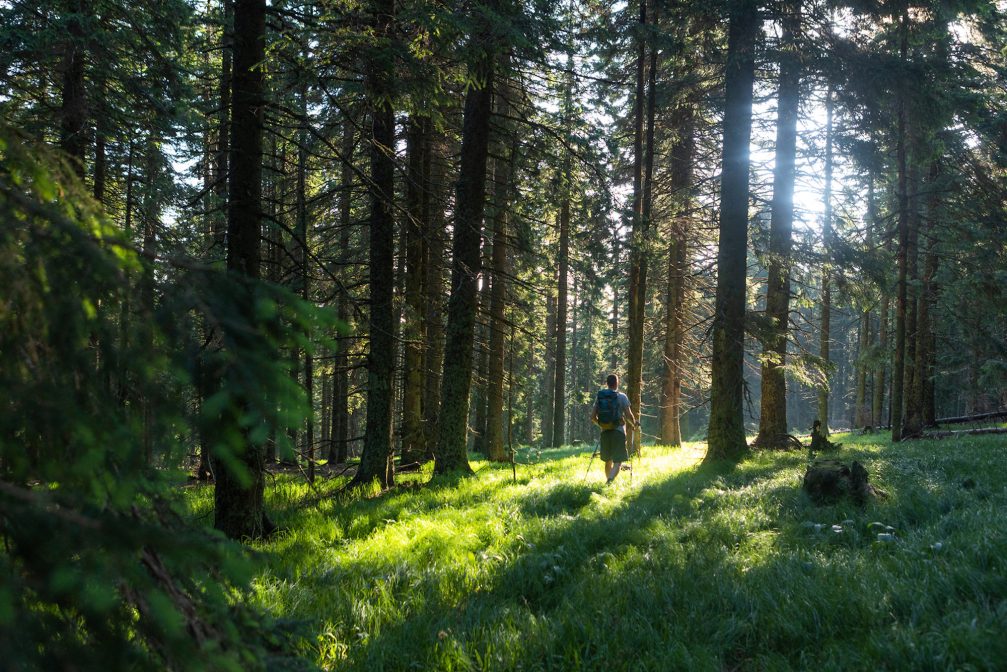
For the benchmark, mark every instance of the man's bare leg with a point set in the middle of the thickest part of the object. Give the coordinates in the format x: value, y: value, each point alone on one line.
x: 608, y: 468
x: 610, y: 474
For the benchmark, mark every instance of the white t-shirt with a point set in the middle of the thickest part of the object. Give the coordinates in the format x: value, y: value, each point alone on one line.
x: 623, y: 407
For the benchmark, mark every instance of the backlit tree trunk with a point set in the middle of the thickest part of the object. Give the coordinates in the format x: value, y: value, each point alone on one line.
x: 376, y: 458
x: 465, y: 265
x: 773, y: 426
x: 727, y: 426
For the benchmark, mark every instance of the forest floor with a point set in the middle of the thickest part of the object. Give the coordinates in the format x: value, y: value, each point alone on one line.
x: 686, y: 568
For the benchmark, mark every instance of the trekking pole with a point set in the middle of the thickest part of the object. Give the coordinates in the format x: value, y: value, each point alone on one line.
x: 589, y: 463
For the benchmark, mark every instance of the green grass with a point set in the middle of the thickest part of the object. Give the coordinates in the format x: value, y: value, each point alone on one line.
x: 687, y: 568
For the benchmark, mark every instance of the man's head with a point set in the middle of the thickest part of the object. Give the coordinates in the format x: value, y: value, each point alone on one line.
x: 613, y: 381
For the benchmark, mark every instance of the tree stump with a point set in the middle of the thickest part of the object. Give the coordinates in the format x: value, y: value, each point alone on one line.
x: 828, y: 481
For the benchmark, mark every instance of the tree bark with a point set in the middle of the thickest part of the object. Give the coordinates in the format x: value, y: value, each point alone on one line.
x: 341, y: 385
x: 678, y: 272
x: 450, y: 455
x: 727, y: 426
x: 436, y: 194
x: 912, y: 423
x: 825, y: 331
x: 899, y: 359
x: 504, y: 174
x: 549, y: 380
x: 558, y: 437
x: 643, y: 158
x: 773, y: 426
x: 415, y: 332
x: 376, y: 458
x: 239, y: 507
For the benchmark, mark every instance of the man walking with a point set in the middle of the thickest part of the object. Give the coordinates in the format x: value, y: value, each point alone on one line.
x: 610, y: 411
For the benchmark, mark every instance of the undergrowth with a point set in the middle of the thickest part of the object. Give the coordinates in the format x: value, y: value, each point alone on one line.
x: 687, y: 567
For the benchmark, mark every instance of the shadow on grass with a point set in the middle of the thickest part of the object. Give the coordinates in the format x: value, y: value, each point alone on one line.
x: 532, y: 616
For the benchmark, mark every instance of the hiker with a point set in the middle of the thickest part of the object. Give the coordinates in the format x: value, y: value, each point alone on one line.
x: 610, y: 412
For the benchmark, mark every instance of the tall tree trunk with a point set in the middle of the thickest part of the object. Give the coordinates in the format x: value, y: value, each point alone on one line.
x: 862, y: 417
x: 73, y: 106
x: 643, y: 158
x: 436, y: 193
x: 238, y: 498
x: 224, y: 119
x: 304, y: 254
x: 549, y: 380
x: 923, y: 378
x: 899, y: 360
x: 503, y: 172
x: 825, y: 331
x: 727, y: 426
x: 682, y: 153
x: 415, y: 332
x: 878, y: 400
x: 773, y: 426
x: 912, y: 423
x: 481, y: 354
x: 340, y: 365
x: 376, y: 459
x: 558, y: 437
x: 450, y: 455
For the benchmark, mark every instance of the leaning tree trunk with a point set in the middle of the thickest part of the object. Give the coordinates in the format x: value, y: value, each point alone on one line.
x: 238, y: 498
x: 773, y: 427
x: 727, y: 426
x: 451, y: 455
x: 376, y: 458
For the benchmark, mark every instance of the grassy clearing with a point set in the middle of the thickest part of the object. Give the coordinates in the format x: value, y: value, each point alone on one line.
x: 687, y: 568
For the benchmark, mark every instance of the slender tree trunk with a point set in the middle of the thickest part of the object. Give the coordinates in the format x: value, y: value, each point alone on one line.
x: 862, y: 412
x: 642, y: 172
x: 925, y: 354
x: 558, y: 437
x: 682, y: 153
x: 450, y: 455
x: 303, y: 234
x: 549, y: 380
x: 773, y: 426
x: 224, y: 120
x: 376, y: 458
x: 899, y: 360
x: 436, y: 193
x: 340, y: 364
x: 481, y: 355
x: 727, y: 426
x: 825, y: 332
x: 912, y: 423
x: 504, y: 173
x: 415, y: 332
x: 239, y: 506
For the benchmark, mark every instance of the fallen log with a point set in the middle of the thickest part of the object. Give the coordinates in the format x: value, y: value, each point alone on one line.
x: 960, y: 420
x: 950, y: 434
